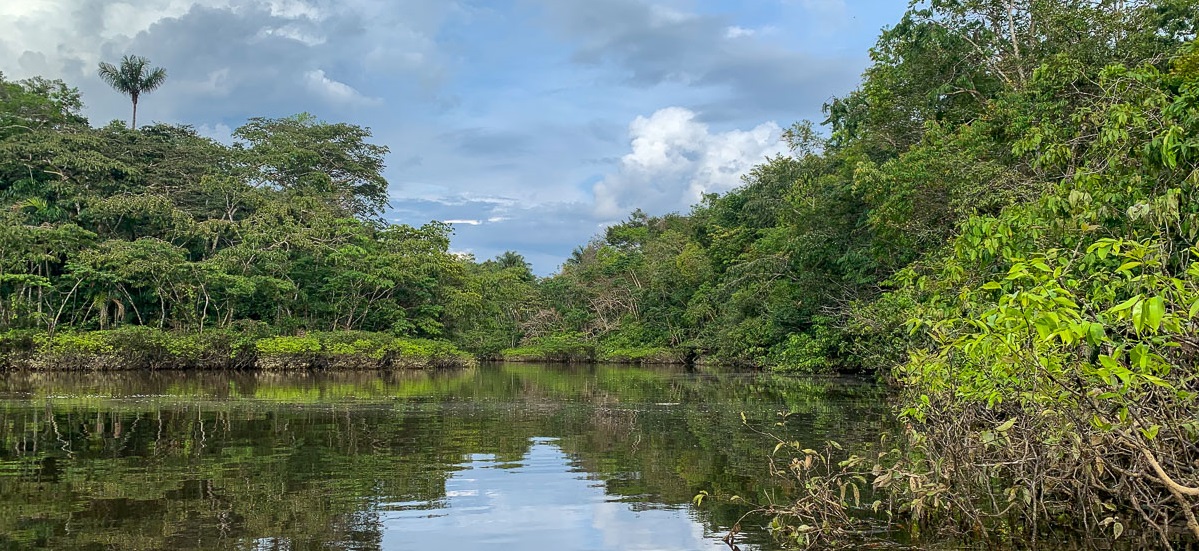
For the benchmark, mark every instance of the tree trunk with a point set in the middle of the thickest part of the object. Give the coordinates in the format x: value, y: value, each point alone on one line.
x: 133, y: 123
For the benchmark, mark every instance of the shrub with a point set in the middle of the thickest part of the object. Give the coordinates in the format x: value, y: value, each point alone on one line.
x: 561, y: 347
x: 288, y: 345
x: 816, y: 352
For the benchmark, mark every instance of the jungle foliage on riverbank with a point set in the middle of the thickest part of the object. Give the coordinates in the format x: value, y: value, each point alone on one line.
x: 1023, y: 176
x: 137, y: 347
x: 127, y: 248
x: 1003, y: 220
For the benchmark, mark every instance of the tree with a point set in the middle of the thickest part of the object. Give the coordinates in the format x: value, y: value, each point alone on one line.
x: 302, y: 154
x: 36, y: 104
x: 132, y: 78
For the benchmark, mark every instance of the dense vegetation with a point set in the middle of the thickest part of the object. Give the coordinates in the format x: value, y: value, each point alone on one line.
x: 112, y: 230
x: 1002, y: 219
x: 818, y: 261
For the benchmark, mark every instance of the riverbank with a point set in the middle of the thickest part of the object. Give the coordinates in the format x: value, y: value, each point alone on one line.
x: 560, y: 349
x: 144, y: 348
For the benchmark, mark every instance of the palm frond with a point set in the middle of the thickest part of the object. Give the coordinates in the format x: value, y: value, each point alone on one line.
x: 132, y: 78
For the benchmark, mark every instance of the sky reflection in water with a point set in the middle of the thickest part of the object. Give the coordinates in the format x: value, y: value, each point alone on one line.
x: 543, y: 502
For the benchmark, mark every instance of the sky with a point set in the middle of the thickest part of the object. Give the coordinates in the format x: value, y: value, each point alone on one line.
x: 529, y: 124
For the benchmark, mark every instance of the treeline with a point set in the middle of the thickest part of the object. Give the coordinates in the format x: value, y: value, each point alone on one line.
x: 1003, y: 219
x: 277, y: 234
x: 821, y: 258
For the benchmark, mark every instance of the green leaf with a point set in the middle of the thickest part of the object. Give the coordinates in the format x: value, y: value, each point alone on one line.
x: 1128, y: 266
x: 1157, y: 381
x: 1154, y: 312
x: 1109, y: 365
x: 1125, y: 305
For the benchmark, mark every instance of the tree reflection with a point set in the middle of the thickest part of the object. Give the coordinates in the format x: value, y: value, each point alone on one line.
x: 273, y: 461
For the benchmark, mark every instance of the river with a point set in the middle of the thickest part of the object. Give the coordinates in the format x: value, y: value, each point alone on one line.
x: 510, y: 456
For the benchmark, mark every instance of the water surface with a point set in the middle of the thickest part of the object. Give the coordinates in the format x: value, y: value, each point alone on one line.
x: 498, y: 457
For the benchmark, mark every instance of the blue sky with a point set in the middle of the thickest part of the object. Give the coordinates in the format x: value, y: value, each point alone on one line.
x: 531, y: 123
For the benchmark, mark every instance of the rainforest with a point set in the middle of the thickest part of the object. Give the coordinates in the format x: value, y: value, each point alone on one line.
x: 1000, y: 224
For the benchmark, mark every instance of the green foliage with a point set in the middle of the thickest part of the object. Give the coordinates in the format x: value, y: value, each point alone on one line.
x: 808, y: 352
x: 1072, y: 317
x: 303, y: 155
x: 363, y: 350
x: 103, y: 229
x: 1003, y: 221
x: 875, y: 335
x: 140, y: 347
x: 494, y: 305
x: 1051, y: 343
x: 559, y: 347
x: 432, y: 352
x: 74, y: 344
x: 289, y: 345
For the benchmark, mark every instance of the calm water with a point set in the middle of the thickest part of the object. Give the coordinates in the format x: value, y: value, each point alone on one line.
x: 499, y: 457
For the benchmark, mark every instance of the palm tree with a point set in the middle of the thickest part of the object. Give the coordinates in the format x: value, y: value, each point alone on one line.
x: 132, y: 78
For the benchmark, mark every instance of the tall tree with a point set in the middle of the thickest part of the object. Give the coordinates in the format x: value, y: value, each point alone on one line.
x: 132, y: 78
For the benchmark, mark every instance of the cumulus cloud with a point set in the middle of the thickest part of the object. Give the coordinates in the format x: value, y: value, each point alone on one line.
x: 675, y: 159
x: 258, y: 57
x: 334, y: 91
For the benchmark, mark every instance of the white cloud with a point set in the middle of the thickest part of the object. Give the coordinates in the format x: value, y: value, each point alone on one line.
x: 675, y: 159
x: 465, y: 222
x: 335, y: 91
x: 70, y: 36
x: 738, y: 32
x: 292, y: 9
x: 295, y: 32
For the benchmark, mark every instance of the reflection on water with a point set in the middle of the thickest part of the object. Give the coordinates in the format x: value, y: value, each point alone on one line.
x: 524, y: 456
x: 539, y: 502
